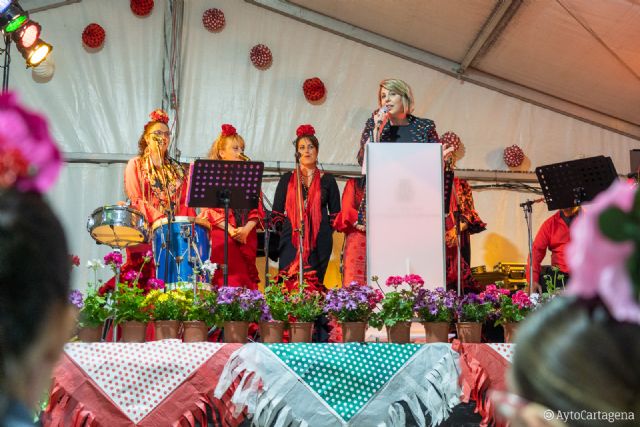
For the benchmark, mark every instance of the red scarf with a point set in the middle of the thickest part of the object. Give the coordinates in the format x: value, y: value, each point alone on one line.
x: 312, y: 214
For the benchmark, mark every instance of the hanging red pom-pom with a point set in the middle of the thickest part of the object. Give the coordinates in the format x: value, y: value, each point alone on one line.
x: 141, y: 7
x: 93, y: 36
x: 213, y: 20
x: 313, y: 89
x: 450, y: 139
x: 513, y: 156
x: 261, y: 56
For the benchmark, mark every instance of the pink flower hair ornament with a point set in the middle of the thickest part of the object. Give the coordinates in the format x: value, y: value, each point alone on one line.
x: 29, y: 158
x: 604, y: 252
x: 159, y: 116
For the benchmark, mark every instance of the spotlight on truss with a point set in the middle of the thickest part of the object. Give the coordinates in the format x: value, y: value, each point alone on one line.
x: 25, y: 33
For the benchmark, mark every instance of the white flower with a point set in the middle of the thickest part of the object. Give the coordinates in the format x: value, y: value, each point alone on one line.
x: 209, y: 267
x: 94, y: 264
x: 534, y: 298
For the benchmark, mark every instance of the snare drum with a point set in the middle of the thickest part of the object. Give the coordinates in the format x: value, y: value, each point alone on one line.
x: 177, y: 265
x: 118, y: 226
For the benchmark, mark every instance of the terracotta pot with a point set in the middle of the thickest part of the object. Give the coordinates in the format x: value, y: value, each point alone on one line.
x: 167, y: 329
x: 133, y: 331
x: 510, y: 330
x: 469, y: 332
x: 90, y: 333
x: 400, y: 333
x: 353, y: 331
x: 271, y: 332
x: 236, y: 331
x: 300, y: 331
x: 194, y: 331
x: 436, y: 331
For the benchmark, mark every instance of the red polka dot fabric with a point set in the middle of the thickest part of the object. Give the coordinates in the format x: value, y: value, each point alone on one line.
x: 504, y: 350
x: 137, y: 377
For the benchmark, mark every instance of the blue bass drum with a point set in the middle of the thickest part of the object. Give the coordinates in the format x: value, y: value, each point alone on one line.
x: 175, y: 265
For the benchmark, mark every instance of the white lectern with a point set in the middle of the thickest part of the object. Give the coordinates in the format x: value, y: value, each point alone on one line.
x: 405, y: 212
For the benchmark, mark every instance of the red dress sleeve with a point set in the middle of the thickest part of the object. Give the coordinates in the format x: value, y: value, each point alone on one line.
x: 134, y: 189
x: 540, y: 245
x: 348, y: 215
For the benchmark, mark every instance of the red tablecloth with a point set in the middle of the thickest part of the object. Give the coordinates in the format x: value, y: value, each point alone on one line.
x: 483, y: 367
x: 80, y: 392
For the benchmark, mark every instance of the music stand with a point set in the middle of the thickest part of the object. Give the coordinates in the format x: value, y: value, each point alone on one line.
x: 225, y: 184
x: 569, y: 184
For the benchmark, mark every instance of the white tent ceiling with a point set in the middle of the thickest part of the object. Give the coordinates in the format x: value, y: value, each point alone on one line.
x: 575, y: 56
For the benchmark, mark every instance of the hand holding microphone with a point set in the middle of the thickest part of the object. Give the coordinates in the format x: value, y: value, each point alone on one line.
x: 380, y: 119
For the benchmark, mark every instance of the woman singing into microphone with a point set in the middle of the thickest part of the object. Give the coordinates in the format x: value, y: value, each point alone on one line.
x: 320, y: 205
x: 242, y: 238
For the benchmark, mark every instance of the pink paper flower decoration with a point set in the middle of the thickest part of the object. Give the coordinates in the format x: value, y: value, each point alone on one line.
x: 513, y: 156
x: 24, y: 135
x: 598, y: 265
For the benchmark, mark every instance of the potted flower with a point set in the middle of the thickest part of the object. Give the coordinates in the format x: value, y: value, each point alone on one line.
x: 436, y: 310
x: 352, y: 306
x: 235, y: 309
x: 511, y: 310
x: 199, y: 317
x: 276, y: 314
x: 167, y: 310
x: 131, y: 313
x: 93, y: 313
x: 471, y: 310
x: 304, y: 308
x: 397, y: 308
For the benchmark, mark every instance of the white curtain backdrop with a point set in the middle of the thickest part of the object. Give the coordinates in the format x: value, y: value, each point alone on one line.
x: 97, y: 103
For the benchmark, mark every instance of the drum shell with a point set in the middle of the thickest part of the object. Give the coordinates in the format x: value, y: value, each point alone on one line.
x: 118, y: 226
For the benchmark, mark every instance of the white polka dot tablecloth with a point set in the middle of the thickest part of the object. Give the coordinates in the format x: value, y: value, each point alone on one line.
x: 503, y: 349
x: 345, y: 376
x: 138, y: 377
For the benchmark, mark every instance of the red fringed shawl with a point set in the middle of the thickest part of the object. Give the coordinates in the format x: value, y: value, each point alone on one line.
x: 312, y: 214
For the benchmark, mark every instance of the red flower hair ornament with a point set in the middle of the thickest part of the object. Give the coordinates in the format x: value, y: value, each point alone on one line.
x: 228, y: 130
x: 159, y: 116
x: 305, y: 130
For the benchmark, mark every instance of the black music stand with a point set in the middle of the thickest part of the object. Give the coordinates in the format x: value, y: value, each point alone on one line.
x: 569, y: 184
x: 225, y: 184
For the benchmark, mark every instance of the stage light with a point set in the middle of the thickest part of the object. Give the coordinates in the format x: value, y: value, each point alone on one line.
x: 36, y: 53
x: 27, y: 35
x: 12, y: 17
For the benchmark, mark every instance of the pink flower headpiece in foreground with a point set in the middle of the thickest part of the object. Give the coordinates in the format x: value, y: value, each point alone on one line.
x: 29, y: 158
x: 602, y: 250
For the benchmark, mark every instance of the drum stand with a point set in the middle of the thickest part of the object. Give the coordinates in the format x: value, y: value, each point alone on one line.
x: 194, y: 258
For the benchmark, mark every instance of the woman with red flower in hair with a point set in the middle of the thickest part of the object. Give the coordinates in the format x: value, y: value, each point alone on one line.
x: 156, y: 186
x: 320, y: 205
x: 242, y: 237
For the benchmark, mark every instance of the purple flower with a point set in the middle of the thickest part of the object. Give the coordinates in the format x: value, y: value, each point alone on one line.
x: 75, y: 298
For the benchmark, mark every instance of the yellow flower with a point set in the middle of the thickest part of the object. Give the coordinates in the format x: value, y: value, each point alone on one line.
x: 163, y: 298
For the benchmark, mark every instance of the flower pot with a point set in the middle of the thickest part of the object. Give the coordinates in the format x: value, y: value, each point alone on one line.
x: 167, y: 329
x: 510, y: 330
x: 400, y: 333
x: 353, y: 331
x: 90, y: 333
x: 271, y: 332
x: 236, y: 331
x: 194, y: 331
x: 300, y: 331
x: 133, y: 331
x: 436, y: 331
x: 469, y: 332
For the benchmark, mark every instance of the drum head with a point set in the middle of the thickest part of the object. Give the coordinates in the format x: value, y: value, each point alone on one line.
x: 117, y: 226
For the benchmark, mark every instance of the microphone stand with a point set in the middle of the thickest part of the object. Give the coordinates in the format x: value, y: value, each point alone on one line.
x: 267, y: 235
x: 301, y: 229
x: 527, y: 209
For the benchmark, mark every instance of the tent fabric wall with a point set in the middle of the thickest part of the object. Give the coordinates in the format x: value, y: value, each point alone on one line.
x: 97, y: 103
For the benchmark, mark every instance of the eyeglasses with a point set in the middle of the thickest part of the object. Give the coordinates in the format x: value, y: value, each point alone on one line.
x: 161, y: 133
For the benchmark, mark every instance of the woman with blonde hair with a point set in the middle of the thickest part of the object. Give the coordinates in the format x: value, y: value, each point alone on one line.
x: 242, y: 239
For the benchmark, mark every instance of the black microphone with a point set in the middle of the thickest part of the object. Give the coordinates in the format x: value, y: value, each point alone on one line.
x: 633, y: 175
x: 298, y: 155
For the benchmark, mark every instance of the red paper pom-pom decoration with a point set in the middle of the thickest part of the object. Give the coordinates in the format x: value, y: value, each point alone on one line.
x: 141, y: 7
x: 450, y: 139
x: 305, y: 130
x: 228, y: 130
x: 261, y: 56
x: 313, y: 89
x: 93, y: 36
x: 213, y: 20
x: 513, y: 156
